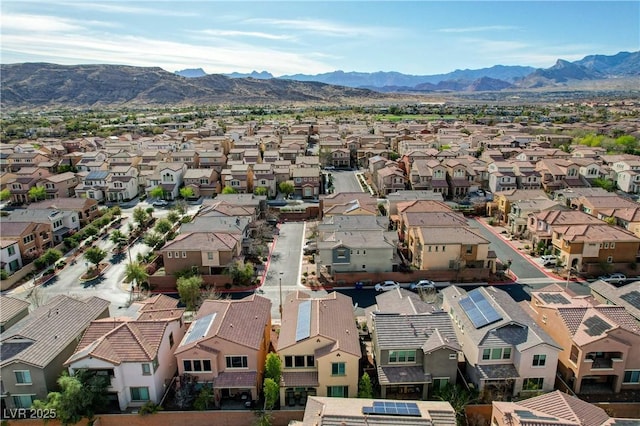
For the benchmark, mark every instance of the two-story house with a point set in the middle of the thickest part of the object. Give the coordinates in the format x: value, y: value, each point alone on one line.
x: 136, y: 356
x: 94, y: 186
x: 86, y: 208
x: 212, y: 159
x: 10, y: 255
x: 389, y: 179
x: 239, y: 177
x: 122, y: 183
x: 506, y: 352
x: 59, y: 186
x: 33, y: 237
x: 357, y: 251
x: 34, y: 349
x: 203, y: 182
x: 25, y: 179
x: 319, y: 347
x: 62, y: 221
x: 13, y: 310
x: 601, y: 343
x: 306, y: 181
x: 626, y: 296
x: 501, y: 176
x: 265, y: 177
x: 226, y: 347
x: 168, y: 176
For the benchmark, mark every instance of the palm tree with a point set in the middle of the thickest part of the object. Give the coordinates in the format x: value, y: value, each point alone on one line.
x: 135, y: 273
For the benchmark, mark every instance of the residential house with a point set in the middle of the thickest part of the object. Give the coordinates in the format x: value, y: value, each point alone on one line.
x: 226, y: 209
x: 502, y: 176
x: 189, y: 157
x: 501, y: 205
x: 558, y: 173
x: 586, y: 248
x: 421, y: 213
x: 319, y: 348
x: 527, y: 177
x: 601, y: 343
x: 415, y: 354
x: 62, y: 222
x: 264, y: 177
x: 59, y: 186
x: 369, y: 251
x: 555, y: 408
x: 34, y: 349
x: 458, y: 177
x: 94, y: 186
x: 92, y: 161
x: 239, y: 177
x: 25, y: 179
x: 10, y: 255
x: 216, y: 160
x: 122, y: 183
x: 395, y: 198
x: 306, y: 181
x: 348, y: 203
x: 256, y: 203
x: 590, y: 169
x: 343, y: 411
x: 594, y: 204
x: 13, y: 310
x: 33, y: 237
x: 625, y: 217
x: 226, y: 347
x: 168, y: 176
x: 570, y: 196
x: 86, y: 208
x: 339, y: 158
x: 627, y: 296
x: 19, y: 160
x: 429, y: 175
x: 389, y: 179
x: 522, y: 210
x: 540, y: 224
x: 135, y: 355
x: 506, y: 352
x: 629, y: 181
x: 203, y: 182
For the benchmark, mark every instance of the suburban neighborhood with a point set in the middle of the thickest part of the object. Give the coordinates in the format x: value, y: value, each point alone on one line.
x: 327, y: 269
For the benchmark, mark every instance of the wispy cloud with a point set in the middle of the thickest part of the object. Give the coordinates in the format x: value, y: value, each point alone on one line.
x: 37, y: 23
x: 236, y: 33
x: 124, y: 8
x: 327, y: 28
x: 477, y: 29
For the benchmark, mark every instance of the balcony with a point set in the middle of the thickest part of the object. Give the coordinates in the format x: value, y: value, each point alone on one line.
x: 603, y: 360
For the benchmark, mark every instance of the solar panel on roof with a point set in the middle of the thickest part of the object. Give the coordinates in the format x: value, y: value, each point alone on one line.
x: 199, y: 328
x: 554, y: 298
x: 596, y: 326
x: 632, y: 298
x: 524, y: 414
x: 478, y: 309
x: 303, y: 327
x: 393, y: 408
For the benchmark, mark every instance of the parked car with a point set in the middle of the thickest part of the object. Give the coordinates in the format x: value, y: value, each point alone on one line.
x: 387, y: 286
x: 616, y: 278
x: 423, y: 284
x: 160, y: 203
x: 549, y: 260
x: 310, y: 248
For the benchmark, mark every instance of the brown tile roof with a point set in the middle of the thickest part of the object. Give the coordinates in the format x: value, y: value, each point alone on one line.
x: 159, y: 301
x: 423, y: 206
x: 451, y: 235
x: 240, y: 321
x: 567, y: 407
x: 444, y: 218
x: 53, y: 327
x: 236, y: 380
x: 331, y: 317
x: 299, y: 378
x: 207, y: 241
x: 118, y: 341
x: 595, y: 233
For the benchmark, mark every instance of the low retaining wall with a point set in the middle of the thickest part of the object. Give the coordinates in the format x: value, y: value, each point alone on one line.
x: 466, y: 275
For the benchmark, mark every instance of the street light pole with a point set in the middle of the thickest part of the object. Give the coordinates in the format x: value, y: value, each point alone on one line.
x: 280, y: 287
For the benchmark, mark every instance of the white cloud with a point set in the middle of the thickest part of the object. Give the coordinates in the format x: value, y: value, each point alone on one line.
x: 236, y: 33
x: 477, y: 29
x: 37, y: 23
x: 124, y: 8
x: 327, y: 28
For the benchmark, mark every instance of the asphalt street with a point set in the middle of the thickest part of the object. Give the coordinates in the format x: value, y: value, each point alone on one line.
x: 345, y: 181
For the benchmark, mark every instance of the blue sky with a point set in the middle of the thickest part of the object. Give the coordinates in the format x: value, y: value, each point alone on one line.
x: 419, y: 37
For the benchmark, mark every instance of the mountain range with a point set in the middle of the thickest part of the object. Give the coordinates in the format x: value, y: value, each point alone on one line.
x: 498, y: 77
x: 29, y: 85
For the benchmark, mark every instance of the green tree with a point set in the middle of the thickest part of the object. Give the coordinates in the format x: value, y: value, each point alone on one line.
x: 80, y: 395
x: 90, y: 231
x: 140, y: 216
x: 286, y: 188
x: 173, y: 216
x: 95, y: 255
x: 5, y: 194
x: 458, y: 397
x: 229, y: 190
x: 365, y: 388
x: 117, y: 237
x: 240, y: 272
x: 204, y: 398
x: 605, y: 184
x: 153, y: 239
x: 136, y: 273
x: 116, y: 211
x: 156, y: 192
x: 273, y: 367
x: 163, y: 226
x: 260, y: 190
x: 187, y: 192
x: 37, y: 193
x: 189, y: 291
x: 271, y: 391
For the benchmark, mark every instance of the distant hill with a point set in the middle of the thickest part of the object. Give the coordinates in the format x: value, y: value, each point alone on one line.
x: 42, y: 84
x: 191, y: 73
x: 264, y: 75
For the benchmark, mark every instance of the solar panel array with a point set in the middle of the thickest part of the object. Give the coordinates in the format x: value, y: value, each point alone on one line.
x: 596, y: 326
x: 199, y: 328
x: 478, y: 309
x: 632, y: 298
x: 524, y: 414
x: 554, y: 298
x: 303, y: 328
x: 393, y: 408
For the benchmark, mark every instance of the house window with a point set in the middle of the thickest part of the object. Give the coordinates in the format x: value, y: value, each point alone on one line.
x: 176, y: 254
x: 184, y: 254
x: 28, y: 239
x: 453, y: 356
x: 606, y: 245
x: 237, y: 361
x: 539, y: 360
x: 574, y: 354
x: 23, y: 401
x: 342, y: 252
x: 288, y: 361
x: 169, y: 254
x: 298, y: 361
x: 402, y: 356
x: 506, y: 353
x: 23, y: 377
x: 311, y: 361
x: 171, y: 340
x: 338, y: 391
x: 440, y: 382
x: 631, y: 376
x: 146, y: 369
x: 11, y: 250
x: 486, y: 354
x: 609, y: 259
x: 338, y: 369
x: 612, y: 245
x: 191, y: 365
x: 469, y: 249
x: 532, y: 383
x: 140, y: 393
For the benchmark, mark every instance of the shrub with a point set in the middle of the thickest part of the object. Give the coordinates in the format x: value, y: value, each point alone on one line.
x: 149, y: 408
x: 3, y: 274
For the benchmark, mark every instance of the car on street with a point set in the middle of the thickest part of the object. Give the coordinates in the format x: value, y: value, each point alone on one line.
x: 549, y: 260
x: 423, y: 284
x: 616, y: 278
x: 160, y: 203
x: 310, y: 248
x: 386, y: 286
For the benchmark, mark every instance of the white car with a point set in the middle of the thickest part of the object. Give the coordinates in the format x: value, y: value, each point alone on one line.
x: 387, y: 286
x: 549, y: 260
x: 160, y: 203
x: 616, y: 278
x: 423, y: 284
